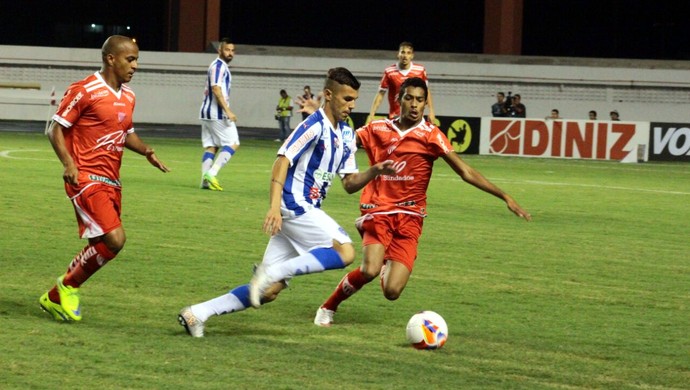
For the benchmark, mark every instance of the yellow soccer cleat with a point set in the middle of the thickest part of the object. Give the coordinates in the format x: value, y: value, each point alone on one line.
x: 69, y: 300
x: 52, y: 308
x: 213, y: 183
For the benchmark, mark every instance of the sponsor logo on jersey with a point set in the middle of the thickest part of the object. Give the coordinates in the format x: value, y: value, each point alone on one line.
x: 106, y: 180
x: 99, y: 94
x: 301, y: 141
x: 112, y: 141
x: 71, y: 104
x: 324, y: 176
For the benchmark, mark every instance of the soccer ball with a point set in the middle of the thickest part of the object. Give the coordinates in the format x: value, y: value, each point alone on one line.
x: 427, y: 330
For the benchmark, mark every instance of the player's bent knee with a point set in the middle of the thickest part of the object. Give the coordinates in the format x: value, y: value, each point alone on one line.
x: 370, y: 272
x: 391, y: 295
x: 347, y: 253
x: 114, y: 240
x: 115, y: 245
x: 393, y: 291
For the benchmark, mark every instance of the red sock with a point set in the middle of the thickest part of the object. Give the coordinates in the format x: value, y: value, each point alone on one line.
x: 350, y: 284
x: 84, y: 264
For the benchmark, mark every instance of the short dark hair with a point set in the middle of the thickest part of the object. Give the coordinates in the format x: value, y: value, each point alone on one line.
x: 225, y: 41
x: 502, y: 94
x: 415, y: 82
x: 342, y: 76
x: 406, y: 44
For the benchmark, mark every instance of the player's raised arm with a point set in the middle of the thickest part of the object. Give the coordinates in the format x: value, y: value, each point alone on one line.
x: 474, y: 177
x: 375, y: 105
x: 309, y: 106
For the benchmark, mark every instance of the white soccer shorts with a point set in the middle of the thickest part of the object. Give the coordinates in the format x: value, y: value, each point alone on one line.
x: 299, y: 235
x: 218, y: 133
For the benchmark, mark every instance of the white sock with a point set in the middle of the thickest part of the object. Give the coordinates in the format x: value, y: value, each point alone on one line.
x: 235, y: 300
x: 222, y: 159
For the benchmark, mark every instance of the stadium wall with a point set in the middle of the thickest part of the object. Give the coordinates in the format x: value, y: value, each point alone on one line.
x: 169, y: 85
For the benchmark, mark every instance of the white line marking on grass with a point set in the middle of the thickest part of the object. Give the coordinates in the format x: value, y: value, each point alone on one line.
x: 546, y: 183
x: 6, y: 154
x: 10, y: 155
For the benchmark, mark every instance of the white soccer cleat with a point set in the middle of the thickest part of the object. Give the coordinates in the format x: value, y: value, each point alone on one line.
x: 324, y: 317
x: 260, y: 282
x: 193, y: 325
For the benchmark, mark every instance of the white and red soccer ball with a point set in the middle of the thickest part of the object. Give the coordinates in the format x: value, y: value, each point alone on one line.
x: 427, y: 330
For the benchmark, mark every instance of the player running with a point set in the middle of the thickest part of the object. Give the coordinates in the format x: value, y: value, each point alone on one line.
x: 91, y: 128
x: 304, y: 239
x: 393, y: 207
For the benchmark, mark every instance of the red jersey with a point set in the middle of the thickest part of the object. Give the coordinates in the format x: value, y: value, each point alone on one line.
x: 393, y: 78
x: 97, y: 120
x: 413, y: 152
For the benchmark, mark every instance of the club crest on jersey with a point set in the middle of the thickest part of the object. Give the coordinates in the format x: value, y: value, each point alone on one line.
x: 348, y: 135
x: 121, y: 116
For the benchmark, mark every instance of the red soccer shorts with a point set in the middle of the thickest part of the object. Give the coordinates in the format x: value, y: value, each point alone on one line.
x: 399, y: 233
x: 98, y: 210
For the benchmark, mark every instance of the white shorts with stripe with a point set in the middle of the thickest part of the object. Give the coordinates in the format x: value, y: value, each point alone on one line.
x: 218, y: 132
x: 299, y: 235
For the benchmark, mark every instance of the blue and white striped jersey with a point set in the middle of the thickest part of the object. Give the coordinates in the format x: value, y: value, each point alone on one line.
x: 218, y: 74
x: 317, y: 152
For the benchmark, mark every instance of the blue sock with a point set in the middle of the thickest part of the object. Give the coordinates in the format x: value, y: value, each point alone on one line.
x: 207, y: 156
x: 207, y: 162
x: 242, y: 294
x: 317, y: 260
x: 328, y: 257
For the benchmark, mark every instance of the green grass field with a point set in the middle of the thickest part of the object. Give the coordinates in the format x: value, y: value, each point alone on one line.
x: 593, y: 293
